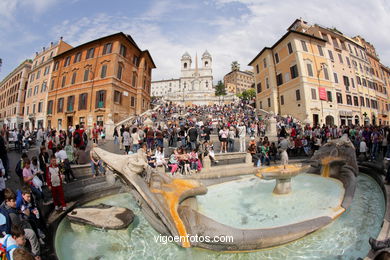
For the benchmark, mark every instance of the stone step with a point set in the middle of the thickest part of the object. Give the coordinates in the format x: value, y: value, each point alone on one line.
x: 83, y: 181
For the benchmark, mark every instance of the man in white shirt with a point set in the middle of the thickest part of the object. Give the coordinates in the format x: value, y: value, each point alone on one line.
x: 241, y: 134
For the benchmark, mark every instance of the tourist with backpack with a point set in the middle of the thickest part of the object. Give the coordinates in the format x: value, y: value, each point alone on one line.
x: 11, y: 216
x: 78, y: 139
x: 12, y: 241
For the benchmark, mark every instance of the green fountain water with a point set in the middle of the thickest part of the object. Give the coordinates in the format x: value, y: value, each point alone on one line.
x: 346, y: 238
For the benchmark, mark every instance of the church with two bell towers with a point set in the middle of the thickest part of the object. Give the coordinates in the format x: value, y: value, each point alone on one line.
x: 196, y: 78
x: 195, y: 85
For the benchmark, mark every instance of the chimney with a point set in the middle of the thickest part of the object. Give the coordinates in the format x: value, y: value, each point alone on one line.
x: 51, y: 44
x: 61, y: 38
x: 36, y: 53
x: 43, y: 48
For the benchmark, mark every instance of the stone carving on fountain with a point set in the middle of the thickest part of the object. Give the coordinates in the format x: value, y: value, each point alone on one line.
x: 337, y: 159
x: 160, y: 198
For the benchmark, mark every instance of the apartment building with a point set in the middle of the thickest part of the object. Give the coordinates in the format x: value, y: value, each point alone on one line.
x: 102, y: 81
x: 39, y: 79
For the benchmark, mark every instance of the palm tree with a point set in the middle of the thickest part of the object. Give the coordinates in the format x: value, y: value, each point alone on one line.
x: 235, y: 66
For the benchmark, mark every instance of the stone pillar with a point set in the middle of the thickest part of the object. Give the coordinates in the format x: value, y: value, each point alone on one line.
x: 109, y: 126
x: 283, y: 186
x: 248, y: 158
x: 206, y: 163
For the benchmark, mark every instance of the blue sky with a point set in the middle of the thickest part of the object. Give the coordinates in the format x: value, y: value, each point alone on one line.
x: 229, y: 29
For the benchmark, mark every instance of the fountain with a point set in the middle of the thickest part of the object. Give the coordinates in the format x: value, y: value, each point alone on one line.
x: 183, y: 206
x: 282, y: 174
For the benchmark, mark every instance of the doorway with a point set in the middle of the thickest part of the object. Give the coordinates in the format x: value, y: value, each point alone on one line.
x: 69, y: 121
x: 315, y: 119
x: 329, y: 120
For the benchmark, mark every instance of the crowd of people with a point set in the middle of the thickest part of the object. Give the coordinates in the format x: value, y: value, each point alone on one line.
x: 176, y: 139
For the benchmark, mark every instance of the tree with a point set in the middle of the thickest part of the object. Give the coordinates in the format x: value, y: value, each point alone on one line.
x: 220, y: 89
x: 235, y: 66
x: 248, y: 94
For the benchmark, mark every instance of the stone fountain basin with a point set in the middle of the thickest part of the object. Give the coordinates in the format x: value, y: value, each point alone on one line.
x: 209, y: 217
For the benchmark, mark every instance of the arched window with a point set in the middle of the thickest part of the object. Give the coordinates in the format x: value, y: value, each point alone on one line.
x: 206, y: 63
x: 185, y: 65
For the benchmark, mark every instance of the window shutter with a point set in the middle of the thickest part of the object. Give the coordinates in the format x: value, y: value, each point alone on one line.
x: 97, y: 99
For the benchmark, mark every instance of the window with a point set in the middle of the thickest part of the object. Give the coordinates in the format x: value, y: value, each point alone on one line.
x: 70, y: 104
x: 269, y: 102
x: 313, y: 94
x: 119, y: 74
x: 336, y: 80
x: 103, y: 71
x: 358, y: 80
x: 74, y: 77
x: 27, y: 110
x: 132, y: 101
x: 294, y: 71
x: 63, y: 81
x: 324, y: 36
x: 38, y: 74
x: 67, y: 61
x: 340, y: 58
x: 122, y: 51
x: 276, y: 58
x: 304, y: 47
x: 298, y: 95
x: 348, y: 62
x: 77, y: 57
x: 329, y: 96
x: 346, y: 82
x: 86, y: 75
x: 34, y: 108
x: 309, y: 70
x: 60, y: 106
x: 290, y: 49
x: 90, y: 53
x: 32, y: 77
x: 349, y: 100
x: 134, y: 81
x: 259, y: 87
x: 353, y: 83
x: 320, y: 51
x: 83, y: 99
x: 282, y: 100
x: 257, y: 68
x: 52, y: 84
x: 36, y: 90
x: 100, y: 99
x: 261, y: 105
x: 136, y: 61
x: 355, y: 101
x: 43, y: 59
x: 335, y: 43
x: 326, y: 75
x: 279, y: 79
x: 339, y: 98
x: 362, y: 101
x: 50, y: 107
x: 330, y: 55
x: 117, y: 97
x: 55, y: 68
x: 47, y: 69
x: 364, y: 82
x: 43, y: 88
x: 265, y: 63
x: 107, y: 48
x: 367, y: 102
x: 267, y: 83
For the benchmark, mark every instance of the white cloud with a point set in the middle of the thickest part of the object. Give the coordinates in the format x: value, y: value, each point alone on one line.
x: 228, y: 36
